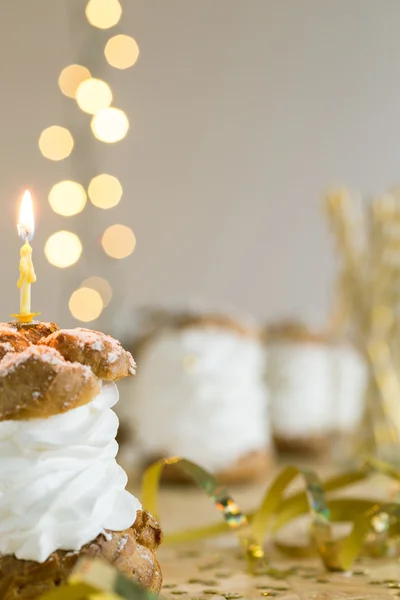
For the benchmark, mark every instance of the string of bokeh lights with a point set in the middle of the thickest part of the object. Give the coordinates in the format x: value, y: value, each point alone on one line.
x: 109, y: 125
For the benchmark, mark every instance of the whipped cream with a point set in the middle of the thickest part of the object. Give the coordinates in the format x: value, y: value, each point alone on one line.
x: 350, y: 384
x: 301, y: 389
x: 60, y: 485
x: 199, y: 393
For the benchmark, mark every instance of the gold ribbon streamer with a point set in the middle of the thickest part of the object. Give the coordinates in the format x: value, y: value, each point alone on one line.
x: 375, y: 526
x: 232, y: 514
x: 290, y: 508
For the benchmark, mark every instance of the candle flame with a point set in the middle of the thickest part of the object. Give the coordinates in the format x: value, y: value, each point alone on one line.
x: 26, y: 223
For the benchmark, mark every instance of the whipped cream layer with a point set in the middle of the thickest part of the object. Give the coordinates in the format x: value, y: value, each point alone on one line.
x: 299, y: 378
x: 60, y: 485
x: 350, y: 384
x: 200, y: 393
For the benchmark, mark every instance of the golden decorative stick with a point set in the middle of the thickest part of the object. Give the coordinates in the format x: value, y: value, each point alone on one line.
x: 370, y: 248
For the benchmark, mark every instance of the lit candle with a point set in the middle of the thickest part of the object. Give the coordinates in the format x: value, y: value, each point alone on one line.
x: 27, y: 275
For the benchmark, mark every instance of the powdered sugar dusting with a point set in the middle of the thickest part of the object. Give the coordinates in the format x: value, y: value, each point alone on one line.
x: 122, y: 543
x: 48, y: 355
x: 112, y: 357
x: 132, y: 364
x: 95, y: 339
x: 107, y: 535
x: 87, y: 372
x: 144, y: 553
x: 97, y: 345
x: 8, y: 347
x: 84, y: 337
x: 7, y: 327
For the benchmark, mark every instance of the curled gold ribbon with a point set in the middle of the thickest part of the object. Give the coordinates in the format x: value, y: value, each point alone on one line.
x: 233, y: 516
x: 376, y: 527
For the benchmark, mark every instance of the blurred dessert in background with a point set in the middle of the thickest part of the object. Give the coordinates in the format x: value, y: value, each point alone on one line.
x: 316, y: 384
x: 200, y: 393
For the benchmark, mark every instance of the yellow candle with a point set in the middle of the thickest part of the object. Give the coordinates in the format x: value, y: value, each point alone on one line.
x: 26, y: 277
x: 26, y: 270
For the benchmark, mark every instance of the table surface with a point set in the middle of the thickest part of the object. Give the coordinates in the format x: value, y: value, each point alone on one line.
x: 214, y: 567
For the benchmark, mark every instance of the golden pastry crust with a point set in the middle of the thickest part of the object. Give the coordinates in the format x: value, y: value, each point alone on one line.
x: 296, y: 332
x: 33, y: 332
x: 11, y: 341
x: 131, y: 551
x: 39, y: 383
x: 102, y: 353
x: 312, y: 445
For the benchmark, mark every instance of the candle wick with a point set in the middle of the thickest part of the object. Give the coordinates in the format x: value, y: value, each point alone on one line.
x: 24, y: 233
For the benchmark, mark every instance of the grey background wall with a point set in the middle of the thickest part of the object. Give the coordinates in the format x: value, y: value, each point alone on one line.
x: 242, y: 113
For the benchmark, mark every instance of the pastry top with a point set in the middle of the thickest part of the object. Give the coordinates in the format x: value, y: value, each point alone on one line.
x: 16, y: 337
x: 46, y: 371
x: 102, y: 353
x: 33, y: 332
x: 11, y: 341
x: 39, y: 383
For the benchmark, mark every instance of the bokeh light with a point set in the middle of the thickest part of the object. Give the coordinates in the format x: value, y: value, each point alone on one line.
x: 101, y: 286
x: 67, y: 198
x: 118, y: 241
x: 105, y: 191
x: 71, y: 77
x: 121, y: 51
x: 63, y: 249
x: 93, y: 95
x: 110, y: 125
x: 56, y: 143
x: 103, y: 13
x: 86, y: 304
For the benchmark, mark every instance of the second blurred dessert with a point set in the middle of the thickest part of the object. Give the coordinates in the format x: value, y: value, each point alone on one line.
x: 317, y: 386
